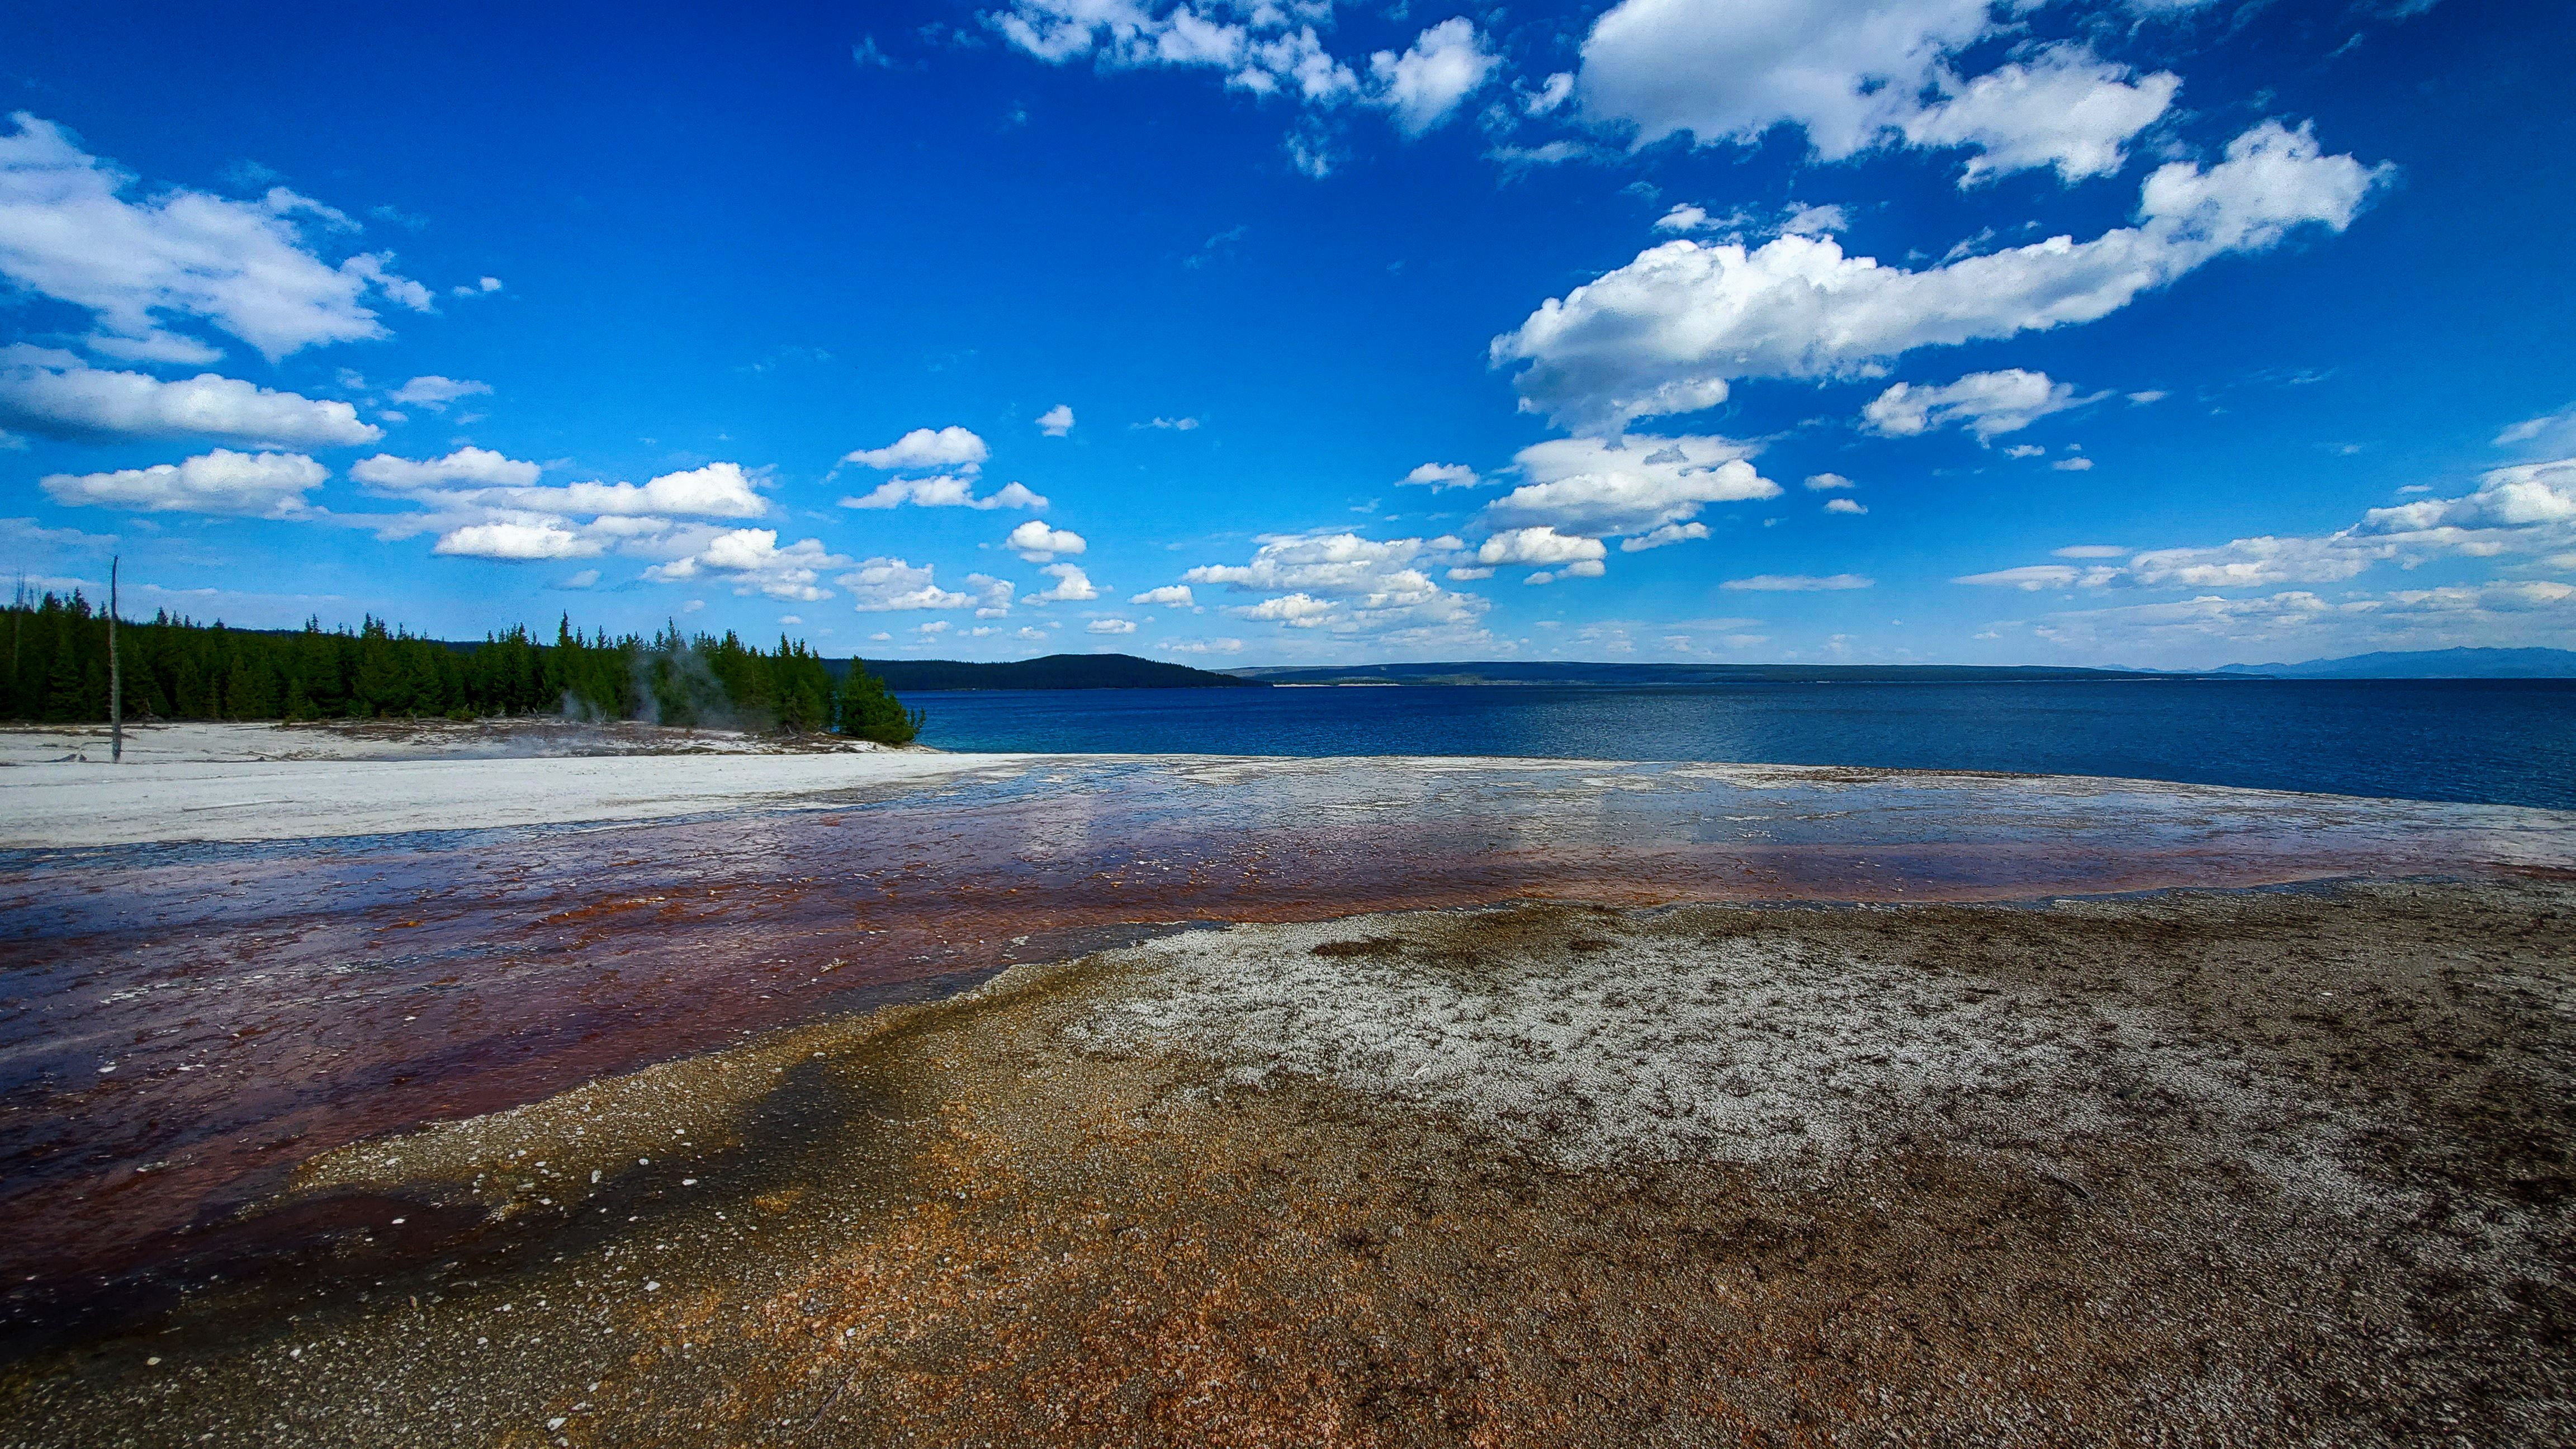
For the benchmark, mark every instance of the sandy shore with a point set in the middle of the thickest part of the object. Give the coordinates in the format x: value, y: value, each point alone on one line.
x: 207, y: 742
x: 2261, y: 1168
x: 188, y: 782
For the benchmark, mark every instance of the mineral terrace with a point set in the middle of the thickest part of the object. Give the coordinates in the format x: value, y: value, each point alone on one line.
x: 2270, y: 1166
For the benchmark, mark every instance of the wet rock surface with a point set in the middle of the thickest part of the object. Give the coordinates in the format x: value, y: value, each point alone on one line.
x: 2263, y: 1166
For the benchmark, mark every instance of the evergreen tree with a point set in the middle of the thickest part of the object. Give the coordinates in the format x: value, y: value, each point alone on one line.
x: 252, y: 692
x: 178, y: 669
x: 92, y: 695
x: 864, y: 709
x: 63, y: 702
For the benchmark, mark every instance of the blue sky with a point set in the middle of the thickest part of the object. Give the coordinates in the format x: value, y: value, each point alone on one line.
x: 2150, y: 333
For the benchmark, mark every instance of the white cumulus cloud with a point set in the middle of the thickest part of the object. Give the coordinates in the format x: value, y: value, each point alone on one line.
x: 882, y: 585
x: 2034, y: 577
x: 1170, y: 596
x: 949, y: 449
x: 2549, y: 432
x: 68, y: 232
x: 1799, y: 583
x: 1795, y: 219
x: 1297, y: 611
x: 2251, y: 561
x: 1590, y: 568
x: 1670, y: 533
x: 1728, y: 73
x: 435, y: 392
x: 1271, y: 48
x: 751, y: 560
x: 541, y: 539
x: 1037, y: 543
x: 1056, y: 421
x: 1549, y: 94
x: 1629, y: 485
x: 481, y: 478
x: 2525, y: 495
x: 1436, y: 476
x: 2527, y: 508
x: 944, y: 490
x: 1986, y: 403
x: 1669, y: 331
x: 2064, y: 108
x: 992, y: 595
x: 52, y: 392
x: 936, y: 468
x: 467, y: 467
x: 2295, y: 624
x: 1071, y: 586
x: 1349, y: 585
x: 1539, y: 545
x: 1423, y: 86
x: 1853, y: 74
x: 248, y: 485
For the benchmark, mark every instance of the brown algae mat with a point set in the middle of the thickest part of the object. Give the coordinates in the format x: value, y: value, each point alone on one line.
x: 2274, y: 1167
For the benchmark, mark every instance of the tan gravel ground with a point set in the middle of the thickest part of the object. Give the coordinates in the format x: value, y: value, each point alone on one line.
x: 2260, y: 1168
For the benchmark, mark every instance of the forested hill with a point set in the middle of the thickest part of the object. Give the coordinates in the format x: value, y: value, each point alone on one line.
x: 57, y: 672
x: 1053, y: 671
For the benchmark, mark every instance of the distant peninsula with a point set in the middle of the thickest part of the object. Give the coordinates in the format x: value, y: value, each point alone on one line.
x: 1510, y: 671
x: 1127, y: 671
x: 1052, y: 671
x: 2427, y: 664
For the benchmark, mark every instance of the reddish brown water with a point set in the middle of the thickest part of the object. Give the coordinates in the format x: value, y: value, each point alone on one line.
x: 185, y: 1023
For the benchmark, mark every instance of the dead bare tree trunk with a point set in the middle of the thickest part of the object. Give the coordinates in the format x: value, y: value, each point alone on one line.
x: 115, y: 676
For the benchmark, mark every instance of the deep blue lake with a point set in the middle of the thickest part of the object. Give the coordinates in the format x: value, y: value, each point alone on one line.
x: 2504, y: 742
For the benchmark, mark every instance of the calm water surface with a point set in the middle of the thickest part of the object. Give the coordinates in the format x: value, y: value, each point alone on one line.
x: 2505, y: 742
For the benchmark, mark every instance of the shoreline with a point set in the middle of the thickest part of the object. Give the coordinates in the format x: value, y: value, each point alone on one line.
x: 203, y: 783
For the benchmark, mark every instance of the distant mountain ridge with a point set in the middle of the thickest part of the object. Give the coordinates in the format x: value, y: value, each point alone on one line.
x: 1127, y: 671
x: 2426, y: 664
x: 1052, y: 671
x: 1511, y: 671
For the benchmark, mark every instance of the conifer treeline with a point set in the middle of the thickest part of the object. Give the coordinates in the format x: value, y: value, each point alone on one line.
x: 177, y: 669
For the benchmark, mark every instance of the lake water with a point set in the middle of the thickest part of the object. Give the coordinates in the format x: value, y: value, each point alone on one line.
x: 2505, y: 742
